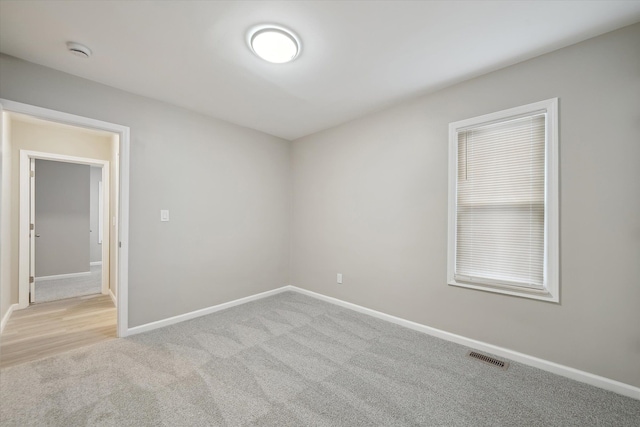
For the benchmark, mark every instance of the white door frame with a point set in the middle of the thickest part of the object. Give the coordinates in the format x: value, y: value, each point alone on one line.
x: 27, y: 251
x: 122, y: 293
x: 32, y: 232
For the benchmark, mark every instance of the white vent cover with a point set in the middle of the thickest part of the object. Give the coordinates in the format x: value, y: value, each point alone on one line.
x: 79, y: 49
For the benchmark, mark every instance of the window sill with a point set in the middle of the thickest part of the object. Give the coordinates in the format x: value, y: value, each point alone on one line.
x: 542, y: 295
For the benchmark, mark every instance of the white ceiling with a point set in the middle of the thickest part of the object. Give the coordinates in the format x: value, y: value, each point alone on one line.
x: 357, y: 56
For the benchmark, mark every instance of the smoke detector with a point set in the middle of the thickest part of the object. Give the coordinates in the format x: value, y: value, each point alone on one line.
x: 79, y: 49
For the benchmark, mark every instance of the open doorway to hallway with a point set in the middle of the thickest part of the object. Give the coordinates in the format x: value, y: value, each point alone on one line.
x: 16, y: 270
x: 68, y: 226
x: 53, y: 184
x: 61, y: 200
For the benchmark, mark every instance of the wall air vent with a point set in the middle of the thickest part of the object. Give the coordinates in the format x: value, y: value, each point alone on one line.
x: 488, y: 359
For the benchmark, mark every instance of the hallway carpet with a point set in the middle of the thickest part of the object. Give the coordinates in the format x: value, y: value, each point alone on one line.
x: 292, y: 360
x: 57, y: 289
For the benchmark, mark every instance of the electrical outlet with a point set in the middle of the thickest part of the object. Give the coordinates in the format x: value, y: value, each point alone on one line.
x: 340, y: 278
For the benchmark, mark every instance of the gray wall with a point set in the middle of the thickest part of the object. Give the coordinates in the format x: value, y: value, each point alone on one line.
x: 62, y: 218
x: 227, y: 188
x: 370, y: 202
x: 95, y: 248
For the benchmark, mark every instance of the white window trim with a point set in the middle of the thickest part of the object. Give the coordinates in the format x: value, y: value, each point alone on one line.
x: 551, y: 285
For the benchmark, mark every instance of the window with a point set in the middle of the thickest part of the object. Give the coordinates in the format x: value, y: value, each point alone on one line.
x: 503, y: 202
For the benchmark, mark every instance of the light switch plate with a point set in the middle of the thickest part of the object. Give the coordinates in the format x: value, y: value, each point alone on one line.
x: 339, y: 278
x: 164, y: 215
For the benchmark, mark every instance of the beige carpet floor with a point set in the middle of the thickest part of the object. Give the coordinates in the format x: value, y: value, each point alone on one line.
x: 291, y: 360
x: 57, y: 289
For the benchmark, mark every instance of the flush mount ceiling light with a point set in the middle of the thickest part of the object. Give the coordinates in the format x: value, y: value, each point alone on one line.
x: 274, y: 44
x: 79, y: 49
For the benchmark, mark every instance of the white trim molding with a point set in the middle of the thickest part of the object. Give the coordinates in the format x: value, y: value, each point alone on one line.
x: 6, y: 317
x: 562, y: 370
x: 113, y: 298
x: 204, y: 311
x: 63, y: 276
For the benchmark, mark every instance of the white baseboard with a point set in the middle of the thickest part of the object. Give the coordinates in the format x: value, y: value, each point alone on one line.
x: 63, y: 276
x: 113, y: 298
x: 6, y: 317
x: 562, y: 370
x: 565, y: 371
x: 202, y: 312
x: 95, y: 263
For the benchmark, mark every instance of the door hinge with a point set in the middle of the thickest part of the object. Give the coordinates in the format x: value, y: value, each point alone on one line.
x: 32, y: 226
x: 119, y: 244
x: 31, y: 279
x: 33, y: 174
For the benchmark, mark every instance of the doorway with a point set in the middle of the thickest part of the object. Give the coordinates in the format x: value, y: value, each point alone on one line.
x: 116, y: 220
x: 67, y: 236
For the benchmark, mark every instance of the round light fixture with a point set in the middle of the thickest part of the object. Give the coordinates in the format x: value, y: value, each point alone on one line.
x: 274, y: 44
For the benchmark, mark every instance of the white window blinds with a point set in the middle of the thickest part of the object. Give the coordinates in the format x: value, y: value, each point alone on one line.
x: 500, y: 203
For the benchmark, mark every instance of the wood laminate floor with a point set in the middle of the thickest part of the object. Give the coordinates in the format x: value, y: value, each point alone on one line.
x: 50, y: 328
